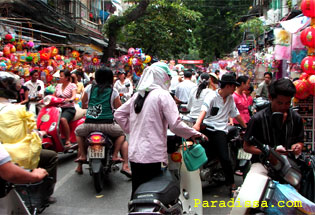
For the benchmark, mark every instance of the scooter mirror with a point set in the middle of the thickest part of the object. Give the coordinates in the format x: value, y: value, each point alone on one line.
x: 277, y: 120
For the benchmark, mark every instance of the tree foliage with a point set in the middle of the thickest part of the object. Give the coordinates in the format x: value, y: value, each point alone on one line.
x: 216, y: 33
x: 254, y: 26
x: 164, y: 31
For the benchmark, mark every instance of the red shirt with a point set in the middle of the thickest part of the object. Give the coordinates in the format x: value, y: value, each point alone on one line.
x: 242, y: 104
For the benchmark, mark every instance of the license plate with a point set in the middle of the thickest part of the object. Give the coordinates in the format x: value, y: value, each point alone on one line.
x: 242, y: 155
x: 96, y: 152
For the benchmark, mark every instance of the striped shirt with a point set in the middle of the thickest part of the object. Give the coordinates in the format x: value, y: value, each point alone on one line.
x: 66, y: 93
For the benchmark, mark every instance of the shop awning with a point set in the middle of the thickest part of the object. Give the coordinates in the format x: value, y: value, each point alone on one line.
x: 99, y: 42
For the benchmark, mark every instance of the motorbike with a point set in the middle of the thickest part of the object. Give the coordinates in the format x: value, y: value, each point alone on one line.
x: 174, y: 191
x: 99, y: 157
x: 48, y: 120
x: 259, y: 104
x: 30, y: 199
x: 262, y: 188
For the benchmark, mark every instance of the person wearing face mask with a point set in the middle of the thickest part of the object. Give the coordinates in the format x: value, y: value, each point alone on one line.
x: 146, y: 117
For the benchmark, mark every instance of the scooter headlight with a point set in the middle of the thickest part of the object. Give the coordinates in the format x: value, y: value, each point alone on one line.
x: 47, y: 100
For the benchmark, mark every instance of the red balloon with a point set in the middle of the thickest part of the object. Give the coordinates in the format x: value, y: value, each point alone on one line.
x: 311, y: 81
x: 304, y: 76
x: 302, y: 89
x: 308, y: 8
x: 308, y: 65
x: 308, y: 37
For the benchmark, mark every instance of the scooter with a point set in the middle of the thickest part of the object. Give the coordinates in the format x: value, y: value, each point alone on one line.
x: 174, y: 191
x: 262, y: 194
x: 100, y: 152
x: 49, y: 120
x: 29, y: 199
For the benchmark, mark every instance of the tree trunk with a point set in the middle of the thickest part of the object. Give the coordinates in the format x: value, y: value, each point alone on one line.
x: 116, y: 24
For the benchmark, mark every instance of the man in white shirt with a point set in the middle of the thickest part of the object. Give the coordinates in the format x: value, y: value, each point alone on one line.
x: 183, y: 89
x: 218, y: 106
x: 33, y: 86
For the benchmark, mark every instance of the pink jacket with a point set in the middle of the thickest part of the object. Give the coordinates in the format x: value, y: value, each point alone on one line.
x: 148, y: 129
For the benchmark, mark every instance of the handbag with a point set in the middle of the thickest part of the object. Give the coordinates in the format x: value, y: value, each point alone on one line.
x: 194, y: 156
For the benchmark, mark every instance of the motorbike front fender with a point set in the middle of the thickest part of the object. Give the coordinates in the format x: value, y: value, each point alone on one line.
x: 96, y: 165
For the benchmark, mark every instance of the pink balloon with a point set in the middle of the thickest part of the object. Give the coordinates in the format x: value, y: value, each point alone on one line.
x: 131, y: 51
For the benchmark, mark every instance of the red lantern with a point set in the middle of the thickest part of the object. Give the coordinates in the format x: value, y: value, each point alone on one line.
x: 8, y: 37
x: 308, y: 65
x: 302, y: 91
x: 308, y: 37
x: 303, y: 76
x: 311, y: 81
x: 308, y: 8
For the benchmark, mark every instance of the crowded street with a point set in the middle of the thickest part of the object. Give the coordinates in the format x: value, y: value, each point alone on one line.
x: 147, y: 107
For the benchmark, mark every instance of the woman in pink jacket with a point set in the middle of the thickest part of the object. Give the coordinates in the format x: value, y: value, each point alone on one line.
x: 146, y: 117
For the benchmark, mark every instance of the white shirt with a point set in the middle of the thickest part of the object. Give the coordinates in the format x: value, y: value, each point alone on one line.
x: 220, y: 120
x: 183, y: 90
x: 194, y: 104
x: 121, y: 88
x: 115, y: 94
x: 4, y: 155
x: 32, y: 86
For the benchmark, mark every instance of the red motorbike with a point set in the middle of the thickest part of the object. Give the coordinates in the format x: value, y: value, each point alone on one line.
x: 48, y: 120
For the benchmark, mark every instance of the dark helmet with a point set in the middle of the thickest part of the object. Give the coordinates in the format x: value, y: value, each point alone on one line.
x: 8, y: 83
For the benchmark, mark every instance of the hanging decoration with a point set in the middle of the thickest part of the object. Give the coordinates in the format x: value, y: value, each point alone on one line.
x: 307, y: 84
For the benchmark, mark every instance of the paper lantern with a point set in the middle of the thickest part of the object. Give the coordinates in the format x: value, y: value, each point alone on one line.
x: 6, y: 51
x: 308, y: 65
x: 75, y: 54
x: 30, y: 44
x: 302, y: 89
x: 308, y: 8
x: 304, y: 76
x: 308, y: 37
x: 29, y: 58
x: 311, y: 81
x: 8, y: 37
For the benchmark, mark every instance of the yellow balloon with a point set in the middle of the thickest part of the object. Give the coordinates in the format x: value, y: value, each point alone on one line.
x: 130, y: 61
x: 147, y: 59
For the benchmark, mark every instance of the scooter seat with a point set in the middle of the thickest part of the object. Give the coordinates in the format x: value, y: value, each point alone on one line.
x: 79, y: 113
x: 165, y: 188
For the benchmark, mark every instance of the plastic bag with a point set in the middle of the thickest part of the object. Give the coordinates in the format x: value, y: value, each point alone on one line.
x: 23, y: 145
x: 286, y: 200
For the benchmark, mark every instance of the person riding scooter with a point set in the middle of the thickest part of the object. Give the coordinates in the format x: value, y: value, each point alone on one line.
x: 66, y: 90
x: 260, y: 126
x: 146, y: 117
x: 18, y: 136
x: 100, y: 100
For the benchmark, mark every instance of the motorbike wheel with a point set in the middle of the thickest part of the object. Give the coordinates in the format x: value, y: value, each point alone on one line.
x: 98, y: 179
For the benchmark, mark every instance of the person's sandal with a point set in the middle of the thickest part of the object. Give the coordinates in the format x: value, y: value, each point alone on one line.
x: 232, y: 191
x: 126, y: 173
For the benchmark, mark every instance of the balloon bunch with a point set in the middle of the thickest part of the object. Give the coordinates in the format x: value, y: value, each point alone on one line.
x: 135, y: 57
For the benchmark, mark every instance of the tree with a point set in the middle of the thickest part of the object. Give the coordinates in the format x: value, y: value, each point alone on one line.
x: 165, y: 30
x: 216, y: 33
x: 115, y: 23
x: 254, y: 26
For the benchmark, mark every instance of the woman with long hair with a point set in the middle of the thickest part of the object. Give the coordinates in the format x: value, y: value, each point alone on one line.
x: 101, y: 99
x: 197, y: 95
x: 67, y: 90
